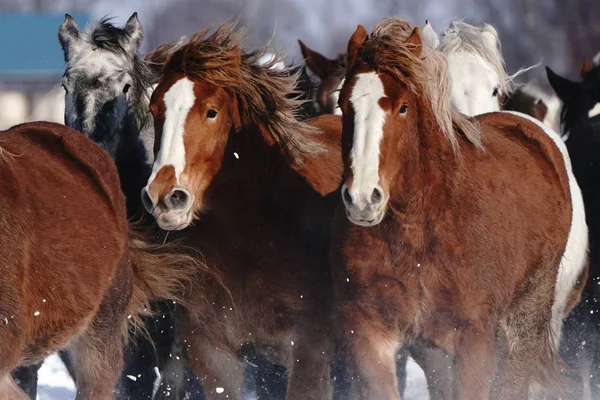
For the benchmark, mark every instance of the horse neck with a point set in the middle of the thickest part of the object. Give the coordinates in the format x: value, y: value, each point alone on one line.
x: 131, y: 160
x: 575, y: 116
x: 249, y: 165
x: 428, y: 163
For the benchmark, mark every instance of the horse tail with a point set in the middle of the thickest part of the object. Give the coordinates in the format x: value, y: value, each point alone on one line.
x: 553, y: 376
x: 161, y: 271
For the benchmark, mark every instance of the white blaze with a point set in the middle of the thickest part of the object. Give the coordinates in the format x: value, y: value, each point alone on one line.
x: 369, y: 118
x: 179, y: 99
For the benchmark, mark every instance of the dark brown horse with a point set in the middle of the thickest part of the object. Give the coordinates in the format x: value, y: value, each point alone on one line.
x: 75, y: 274
x: 253, y: 189
x: 446, y: 239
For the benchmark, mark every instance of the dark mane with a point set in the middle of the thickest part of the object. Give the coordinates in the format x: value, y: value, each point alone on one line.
x: 386, y: 49
x: 267, y: 97
x: 106, y: 36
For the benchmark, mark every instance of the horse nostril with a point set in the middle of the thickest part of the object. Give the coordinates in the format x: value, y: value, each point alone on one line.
x: 178, y: 198
x: 346, y: 195
x: 376, y: 196
x: 147, y: 201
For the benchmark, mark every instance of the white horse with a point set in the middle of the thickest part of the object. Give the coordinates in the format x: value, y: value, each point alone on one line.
x: 476, y: 66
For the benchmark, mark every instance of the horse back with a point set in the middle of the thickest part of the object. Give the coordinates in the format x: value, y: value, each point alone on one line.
x: 63, y: 230
x: 96, y: 163
x: 523, y: 132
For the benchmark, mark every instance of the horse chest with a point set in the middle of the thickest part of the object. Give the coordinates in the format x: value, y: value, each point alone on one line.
x: 409, y: 291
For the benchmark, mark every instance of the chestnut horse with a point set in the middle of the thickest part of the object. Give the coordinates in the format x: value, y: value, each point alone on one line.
x: 455, y: 227
x: 253, y: 189
x: 74, y: 271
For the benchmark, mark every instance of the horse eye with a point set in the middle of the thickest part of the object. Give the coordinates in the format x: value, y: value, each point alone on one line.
x: 126, y: 88
x: 495, y: 92
x: 403, y: 109
x: 211, y: 114
x: 64, y: 87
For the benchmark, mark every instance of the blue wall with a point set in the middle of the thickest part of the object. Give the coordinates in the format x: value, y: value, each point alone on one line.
x: 29, y: 44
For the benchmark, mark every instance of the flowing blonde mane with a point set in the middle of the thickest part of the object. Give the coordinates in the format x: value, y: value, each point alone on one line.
x: 462, y: 37
x: 267, y: 96
x: 387, y: 50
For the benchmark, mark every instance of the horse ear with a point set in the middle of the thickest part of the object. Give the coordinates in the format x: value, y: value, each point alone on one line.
x: 540, y: 110
x: 586, y: 66
x: 134, y: 32
x: 320, y: 65
x: 563, y: 87
x: 414, y: 42
x: 68, y: 35
x: 490, y: 34
x: 356, y: 42
x: 429, y: 36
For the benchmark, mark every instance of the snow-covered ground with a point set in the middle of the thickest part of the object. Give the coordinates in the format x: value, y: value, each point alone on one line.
x: 54, y: 382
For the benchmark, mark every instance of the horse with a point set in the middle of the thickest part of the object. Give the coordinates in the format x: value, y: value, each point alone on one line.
x: 330, y: 72
x: 239, y: 177
x: 589, y: 74
x: 107, y: 89
x: 57, y: 184
x: 433, y: 362
x: 107, y: 85
x: 479, y: 85
x: 531, y: 100
x: 582, y: 130
x: 443, y: 239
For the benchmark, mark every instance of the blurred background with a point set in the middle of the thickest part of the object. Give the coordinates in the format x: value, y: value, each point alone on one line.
x: 557, y: 33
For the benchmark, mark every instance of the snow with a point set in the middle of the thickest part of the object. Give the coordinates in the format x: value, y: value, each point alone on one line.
x: 54, y: 382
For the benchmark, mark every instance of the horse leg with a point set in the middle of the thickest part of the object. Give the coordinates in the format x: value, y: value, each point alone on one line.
x: 9, y: 390
x: 401, y: 361
x: 27, y: 378
x: 527, y: 327
x: 369, y: 349
x: 66, y: 359
x: 475, y: 362
x: 97, y: 352
x: 437, y: 366
x: 310, y: 376
x: 220, y: 372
